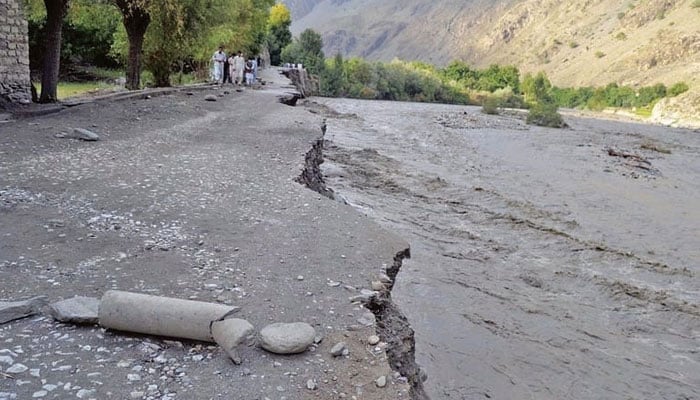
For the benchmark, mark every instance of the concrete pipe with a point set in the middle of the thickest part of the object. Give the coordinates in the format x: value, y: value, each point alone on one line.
x: 229, y: 333
x: 161, y: 316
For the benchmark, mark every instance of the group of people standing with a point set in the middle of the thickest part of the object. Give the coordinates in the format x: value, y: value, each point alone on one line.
x: 234, y: 69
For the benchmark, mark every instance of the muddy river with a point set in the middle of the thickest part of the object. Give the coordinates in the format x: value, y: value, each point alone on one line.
x: 546, y: 264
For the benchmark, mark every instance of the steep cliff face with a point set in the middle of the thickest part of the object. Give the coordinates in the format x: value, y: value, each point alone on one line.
x: 591, y: 42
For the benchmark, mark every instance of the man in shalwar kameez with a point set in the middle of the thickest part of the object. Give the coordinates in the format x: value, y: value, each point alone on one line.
x: 219, y: 57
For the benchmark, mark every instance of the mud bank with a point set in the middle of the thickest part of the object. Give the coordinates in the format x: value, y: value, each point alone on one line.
x: 392, y: 325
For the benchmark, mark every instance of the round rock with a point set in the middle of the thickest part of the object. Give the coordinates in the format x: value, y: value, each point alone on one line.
x: 287, y: 338
x: 381, y: 381
x: 338, y: 349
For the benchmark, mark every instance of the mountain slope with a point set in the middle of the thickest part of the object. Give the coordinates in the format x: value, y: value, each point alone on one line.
x: 586, y: 42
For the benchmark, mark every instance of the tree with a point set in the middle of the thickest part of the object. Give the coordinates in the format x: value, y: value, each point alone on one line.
x: 55, y: 13
x: 536, y: 88
x: 136, y: 19
x: 334, y: 78
x: 308, y: 50
x: 497, y: 77
x: 279, y: 35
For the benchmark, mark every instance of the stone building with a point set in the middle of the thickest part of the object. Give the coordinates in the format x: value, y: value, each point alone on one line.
x: 15, y: 84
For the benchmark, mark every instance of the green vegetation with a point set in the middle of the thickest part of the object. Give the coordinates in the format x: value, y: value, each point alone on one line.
x: 493, y: 88
x: 543, y: 106
x: 307, y: 49
x: 573, y: 44
x: 71, y: 89
x: 614, y: 95
x: 87, y: 33
x: 621, y: 36
x: 599, y: 54
x: 278, y: 33
x: 677, y: 88
x: 490, y: 105
x: 177, y: 37
x: 397, y: 80
x: 695, y: 4
x: 545, y: 114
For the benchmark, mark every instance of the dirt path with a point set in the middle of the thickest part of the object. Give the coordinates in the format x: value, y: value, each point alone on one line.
x: 192, y: 199
x: 547, y: 264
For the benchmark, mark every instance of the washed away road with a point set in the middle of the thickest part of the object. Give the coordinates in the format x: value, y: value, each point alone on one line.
x: 546, y: 264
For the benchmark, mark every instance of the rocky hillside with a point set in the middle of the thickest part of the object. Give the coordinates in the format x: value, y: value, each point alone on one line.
x: 583, y: 42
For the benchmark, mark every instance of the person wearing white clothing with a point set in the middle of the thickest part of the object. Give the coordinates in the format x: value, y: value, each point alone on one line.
x: 232, y: 69
x: 239, y: 65
x: 219, y: 57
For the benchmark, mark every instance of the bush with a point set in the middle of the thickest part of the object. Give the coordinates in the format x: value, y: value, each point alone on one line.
x: 507, y: 98
x: 491, y: 105
x: 545, y: 114
x: 677, y: 88
x: 695, y: 4
x: 599, y: 54
x: 650, y: 94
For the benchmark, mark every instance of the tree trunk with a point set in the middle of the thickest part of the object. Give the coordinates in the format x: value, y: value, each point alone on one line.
x: 55, y: 12
x: 136, y: 20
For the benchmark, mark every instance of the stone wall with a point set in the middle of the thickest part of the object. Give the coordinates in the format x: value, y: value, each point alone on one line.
x: 15, y: 85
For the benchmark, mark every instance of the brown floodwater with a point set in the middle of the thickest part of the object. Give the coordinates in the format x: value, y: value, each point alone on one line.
x: 546, y: 263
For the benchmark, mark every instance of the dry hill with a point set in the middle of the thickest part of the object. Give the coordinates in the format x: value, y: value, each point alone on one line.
x: 587, y: 42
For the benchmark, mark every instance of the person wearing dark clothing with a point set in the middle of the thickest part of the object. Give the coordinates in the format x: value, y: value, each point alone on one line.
x: 227, y: 73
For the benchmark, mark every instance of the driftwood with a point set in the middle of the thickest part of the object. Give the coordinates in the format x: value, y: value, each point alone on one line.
x: 631, y: 156
x: 635, y: 160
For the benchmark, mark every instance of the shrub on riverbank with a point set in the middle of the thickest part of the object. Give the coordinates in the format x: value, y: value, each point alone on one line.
x: 545, y: 114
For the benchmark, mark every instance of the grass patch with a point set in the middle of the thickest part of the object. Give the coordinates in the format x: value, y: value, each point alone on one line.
x: 104, y: 73
x: 645, y: 111
x: 72, y: 89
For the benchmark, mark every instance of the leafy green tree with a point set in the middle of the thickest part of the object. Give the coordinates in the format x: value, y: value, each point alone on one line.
x: 462, y: 74
x: 279, y: 35
x: 650, y: 94
x: 544, y: 110
x: 87, y: 33
x: 136, y: 18
x: 333, y: 78
x: 52, y: 15
x: 189, y: 29
x: 536, y: 88
x: 308, y: 50
x: 499, y: 77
